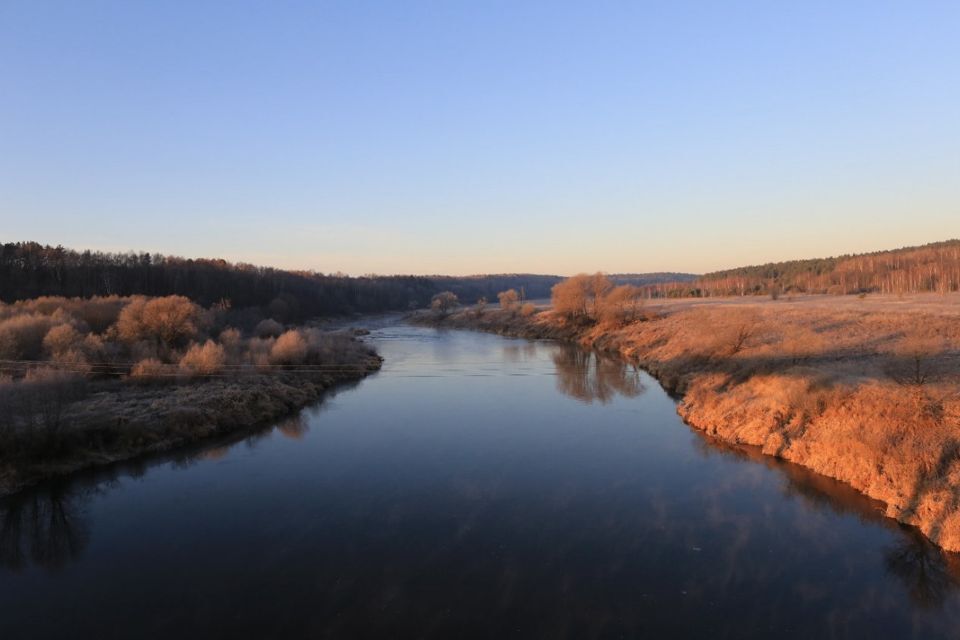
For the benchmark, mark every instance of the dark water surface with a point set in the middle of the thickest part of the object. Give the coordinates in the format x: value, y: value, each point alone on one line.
x: 476, y: 487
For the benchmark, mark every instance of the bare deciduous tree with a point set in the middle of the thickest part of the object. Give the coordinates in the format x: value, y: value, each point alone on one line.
x: 170, y: 320
x: 444, y: 302
x: 206, y: 359
x: 913, y: 361
x: 290, y: 348
x: 508, y: 299
x: 580, y: 296
x: 623, y: 305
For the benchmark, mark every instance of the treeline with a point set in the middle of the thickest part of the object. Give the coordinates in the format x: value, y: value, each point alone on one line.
x: 537, y: 287
x: 645, y: 279
x: 933, y: 267
x: 472, y: 288
x: 30, y: 270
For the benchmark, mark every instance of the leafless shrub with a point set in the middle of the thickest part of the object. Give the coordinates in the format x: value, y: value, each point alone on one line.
x: 481, y: 306
x: 580, y: 297
x: 99, y: 313
x: 233, y: 344
x: 725, y: 334
x: 9, y: 349
x: 206, y: 359
x: 258, y: 351
x: 528, y: 309
x: 444, y: 302
x: 509, y: 299
x: 61, y: 339
x: 74, y: 360
x: 290, y: 348
x: 913, y: 358
x: 149, y: 369
x: 130, y: 326
x: 169, y: 320
x: 623, y: 305
x: 21, y: 337
x: 94, y: 314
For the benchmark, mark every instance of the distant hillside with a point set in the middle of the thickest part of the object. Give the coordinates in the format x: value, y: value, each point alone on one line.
x: 469, y: 289
x: 645, y: 279
x: 931, y: 267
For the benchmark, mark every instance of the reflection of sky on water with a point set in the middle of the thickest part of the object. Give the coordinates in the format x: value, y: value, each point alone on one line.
x: 501, y: 487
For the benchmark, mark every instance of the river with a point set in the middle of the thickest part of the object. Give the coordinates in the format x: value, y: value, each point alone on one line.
x: 477, y: 486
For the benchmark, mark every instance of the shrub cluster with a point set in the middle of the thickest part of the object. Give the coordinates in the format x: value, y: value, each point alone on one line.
x: 50, y: 347
x: 594, y: 298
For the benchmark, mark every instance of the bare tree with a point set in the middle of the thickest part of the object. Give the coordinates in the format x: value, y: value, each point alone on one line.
x: 913, y: 361
x: 444, y: 302
x: 201, y: 360
x: 580, y: 296
x: 509, y: 299
x: 623, y: 305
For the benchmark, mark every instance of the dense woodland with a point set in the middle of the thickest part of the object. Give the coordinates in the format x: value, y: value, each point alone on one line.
x: 929, y: 268
x: 645, y: 279
x: 29, y: 270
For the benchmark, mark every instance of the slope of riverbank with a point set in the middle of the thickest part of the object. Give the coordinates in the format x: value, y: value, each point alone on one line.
x: 123, y: 419
x: 867, y: 395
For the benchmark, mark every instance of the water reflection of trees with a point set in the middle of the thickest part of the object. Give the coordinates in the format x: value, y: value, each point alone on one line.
x: 929, y: 574
x: 44, y: 527
x: 295, y: 427
x: 589, y: 377
x: 519, y: 352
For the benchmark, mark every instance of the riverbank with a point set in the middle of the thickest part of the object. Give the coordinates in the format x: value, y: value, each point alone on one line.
x: 123, y: 419
x: 868, y: 394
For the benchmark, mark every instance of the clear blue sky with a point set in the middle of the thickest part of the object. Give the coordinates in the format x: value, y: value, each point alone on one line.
x: 467, y: 137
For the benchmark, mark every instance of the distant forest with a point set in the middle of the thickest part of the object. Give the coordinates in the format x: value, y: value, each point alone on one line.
x: 29, y: 270
x: 646, y: 279
x: 536, y: 287
x: 932, y: 267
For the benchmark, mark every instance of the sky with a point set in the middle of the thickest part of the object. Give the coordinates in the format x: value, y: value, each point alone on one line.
x: 480, y: 137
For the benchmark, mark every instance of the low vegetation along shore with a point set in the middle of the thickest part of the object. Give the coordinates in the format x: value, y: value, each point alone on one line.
x: 862, y: 389
x: 92, y: 381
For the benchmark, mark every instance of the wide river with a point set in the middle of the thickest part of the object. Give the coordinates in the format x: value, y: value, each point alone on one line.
x: 476, y: 487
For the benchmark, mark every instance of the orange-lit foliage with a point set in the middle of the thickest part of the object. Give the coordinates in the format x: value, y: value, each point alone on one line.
x: 170, y: 320
x: 444, y: 302
x: 206, y: 359
x: 508, y: 299
x: 290, y: 348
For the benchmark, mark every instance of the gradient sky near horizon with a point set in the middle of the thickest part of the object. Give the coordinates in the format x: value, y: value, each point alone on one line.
x: 472, y: 137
